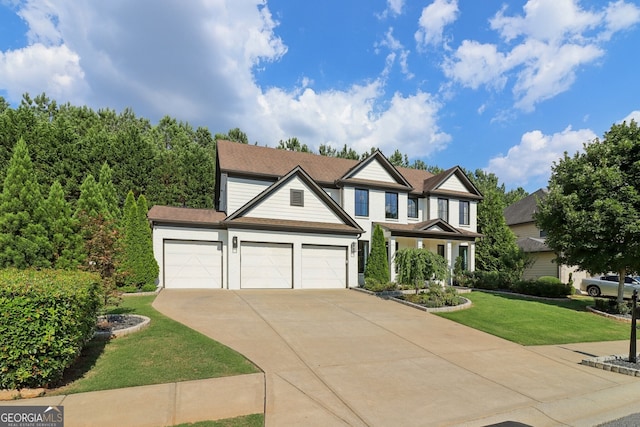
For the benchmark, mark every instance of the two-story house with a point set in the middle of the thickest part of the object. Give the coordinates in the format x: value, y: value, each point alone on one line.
x: 531, y: 239
x: 297, y: 220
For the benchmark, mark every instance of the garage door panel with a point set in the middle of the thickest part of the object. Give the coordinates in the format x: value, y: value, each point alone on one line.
x: 192, y: 264
x: 266, y: 265
x: 324, y: 267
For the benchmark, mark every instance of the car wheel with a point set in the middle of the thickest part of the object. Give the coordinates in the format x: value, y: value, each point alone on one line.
x: 593, y: 291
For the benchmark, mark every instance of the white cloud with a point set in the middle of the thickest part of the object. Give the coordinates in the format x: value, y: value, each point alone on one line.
x: 634, y: 115
x: 542, y: 50
x: 398, y: 52
x: 531, y: 160
x: 433, y: 20
x: 394, y: 7
x: 38, y: 68
x: 339, y: 117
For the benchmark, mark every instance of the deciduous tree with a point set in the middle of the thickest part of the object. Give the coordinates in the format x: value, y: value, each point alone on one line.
x: 592, y: 211
x: 415, y: 266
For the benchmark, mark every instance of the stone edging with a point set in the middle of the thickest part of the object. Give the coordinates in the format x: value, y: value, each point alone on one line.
x: 602, y: 362
x: 125, y: 331
x: 609, y: 316
x: 393, y: 294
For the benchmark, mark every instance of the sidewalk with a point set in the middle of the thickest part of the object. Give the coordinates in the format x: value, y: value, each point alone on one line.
x: 160, y: 405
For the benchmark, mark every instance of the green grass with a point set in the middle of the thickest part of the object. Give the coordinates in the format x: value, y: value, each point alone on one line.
x: 255, y: 420
x: 538, y: 322
x: 166, y: 351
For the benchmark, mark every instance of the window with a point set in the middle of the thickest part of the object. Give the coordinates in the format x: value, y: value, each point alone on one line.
x: 543, y: 233
x: 462, y: 252
x: 443, y: 209
x: 363, y: 254
x: 412, y: 207
x: 441, y: 251
x: 362, y: 202
x: 464, y: 213
x: 296, y: 197
x: 391, y: 205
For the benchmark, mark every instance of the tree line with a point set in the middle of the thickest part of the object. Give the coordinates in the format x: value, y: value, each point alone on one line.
x: 173, y: 164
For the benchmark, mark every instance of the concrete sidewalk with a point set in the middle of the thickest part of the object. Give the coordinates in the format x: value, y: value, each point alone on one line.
x: 343, y: 358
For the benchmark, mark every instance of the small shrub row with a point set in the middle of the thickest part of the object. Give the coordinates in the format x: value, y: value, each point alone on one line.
x: 545, y: 286
x: 374, y: 285
x: 612, y: 306
x: 436, y: 296
x: 46, y: 317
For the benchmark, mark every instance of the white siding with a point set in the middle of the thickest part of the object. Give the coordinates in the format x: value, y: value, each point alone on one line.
x: 334, y: 193
x: 241, y: 190
x: 374, y: 172
x: 277, y: 205
x: 453, y: 184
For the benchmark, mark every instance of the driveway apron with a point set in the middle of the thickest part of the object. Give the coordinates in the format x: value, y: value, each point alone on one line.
x: 342, y: 357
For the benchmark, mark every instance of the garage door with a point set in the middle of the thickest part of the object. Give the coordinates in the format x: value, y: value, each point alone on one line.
x: 266, y: 265
x: 324, y: 267
x: 191, y: 264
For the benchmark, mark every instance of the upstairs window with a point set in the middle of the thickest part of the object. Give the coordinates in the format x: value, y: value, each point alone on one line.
x: 443, y: 209
x: 464, y: 213
x: 362, y: 202
x: 412, y: 207
x: 296, y: 197
x: 391, y: 205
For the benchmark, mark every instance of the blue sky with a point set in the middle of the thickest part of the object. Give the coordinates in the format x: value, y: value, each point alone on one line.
x: 504, y: 86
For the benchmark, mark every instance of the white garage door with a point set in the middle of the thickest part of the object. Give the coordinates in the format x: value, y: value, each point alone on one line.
x: 324, y: 267
x: 192, y: 264
x: 266, y: 265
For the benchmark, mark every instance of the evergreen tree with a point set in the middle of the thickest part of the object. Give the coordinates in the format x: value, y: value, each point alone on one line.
x: 108, y: 191
x: 149, y: 269
x: 91, y: 201
x: 377, y: 267
x: 67, y: 250
x: 23, y: 236
x: 132, y: 242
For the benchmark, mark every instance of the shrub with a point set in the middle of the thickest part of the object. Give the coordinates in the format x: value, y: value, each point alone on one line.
x: 46, y: 317
x: 377, y: 267
x: 436, y: 296
x: 490, y: 280
x: 545, y: 286
x: 612, y: 306
x: 376, y: 286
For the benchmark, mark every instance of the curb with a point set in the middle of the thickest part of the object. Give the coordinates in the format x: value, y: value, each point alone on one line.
x: 603, y: 362
x: 126, y: 331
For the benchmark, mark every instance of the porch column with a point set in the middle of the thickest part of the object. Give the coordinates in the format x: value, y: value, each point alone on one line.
x: 449, y: 261
x: 392, y: 258
x: 472, y: 256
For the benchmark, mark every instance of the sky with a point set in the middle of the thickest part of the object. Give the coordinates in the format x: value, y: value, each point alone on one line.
x: 503, y: 86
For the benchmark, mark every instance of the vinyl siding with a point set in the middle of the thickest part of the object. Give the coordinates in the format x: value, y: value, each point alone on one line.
x: 453, y: 184
x: 542, y: 266
x: 241, y: 190
x: 277, y: 205
x: 525, y: 230
x: 374, y: 172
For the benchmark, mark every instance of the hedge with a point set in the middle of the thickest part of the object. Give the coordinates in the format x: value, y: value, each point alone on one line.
x: 46, y: 317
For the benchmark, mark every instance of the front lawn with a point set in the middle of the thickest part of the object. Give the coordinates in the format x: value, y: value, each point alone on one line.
x: 166, y: 351
x: 538, y: 322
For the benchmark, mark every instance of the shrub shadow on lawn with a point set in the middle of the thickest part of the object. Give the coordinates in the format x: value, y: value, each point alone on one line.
x: 83, y: 364
x: 568, y: 303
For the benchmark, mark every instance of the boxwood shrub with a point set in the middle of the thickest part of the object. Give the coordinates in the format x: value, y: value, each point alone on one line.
x: 46, y: 317
x: 545, y: 286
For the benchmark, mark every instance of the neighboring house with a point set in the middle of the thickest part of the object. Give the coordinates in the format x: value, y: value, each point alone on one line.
x: 519, y: 217
x: 287, y: 219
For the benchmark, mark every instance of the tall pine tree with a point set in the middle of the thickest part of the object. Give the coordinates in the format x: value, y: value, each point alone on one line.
x: 149, y: 269
x: 67, y: 250
x: 377, y: 267
x: 108, y: 191
x: 23, y: 236
x: 91, y: 202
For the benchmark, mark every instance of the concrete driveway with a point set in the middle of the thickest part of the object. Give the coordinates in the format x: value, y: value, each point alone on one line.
x: 342, y: 357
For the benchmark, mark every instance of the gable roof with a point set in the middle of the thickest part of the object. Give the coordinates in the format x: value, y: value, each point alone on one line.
x: 521, y: 212
x: 377, y: 156
x: 432, y: 185
x: 435, y: 228
x: 349, y: 224
x: 533, y: 244
x: 271, y: 163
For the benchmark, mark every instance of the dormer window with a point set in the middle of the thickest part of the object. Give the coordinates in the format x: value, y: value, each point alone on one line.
x: 297, y: 197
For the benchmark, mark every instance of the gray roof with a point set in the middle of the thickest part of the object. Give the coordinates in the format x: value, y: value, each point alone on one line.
x: 532, y: 244
x: 522, y: 211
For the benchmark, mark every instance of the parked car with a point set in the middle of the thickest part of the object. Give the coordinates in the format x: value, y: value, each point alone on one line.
x: 607, y: 286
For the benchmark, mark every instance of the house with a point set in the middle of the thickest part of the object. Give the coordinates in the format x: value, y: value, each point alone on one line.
x: 519, y: 218
x: 297, y: 220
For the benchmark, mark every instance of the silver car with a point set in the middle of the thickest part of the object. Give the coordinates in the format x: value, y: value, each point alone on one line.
x: 607, y: 286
